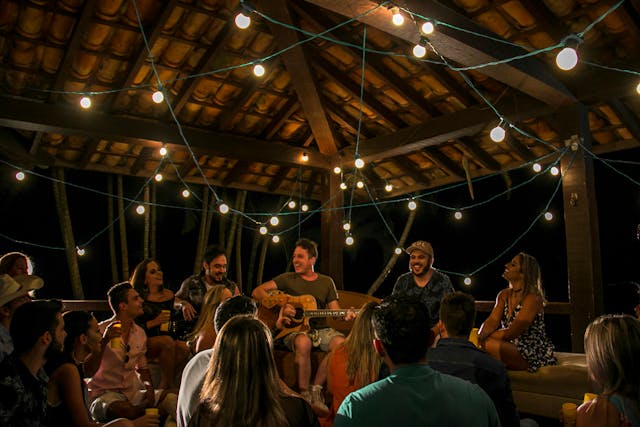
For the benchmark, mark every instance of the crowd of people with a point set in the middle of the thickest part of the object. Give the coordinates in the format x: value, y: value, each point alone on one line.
x: 407, y: 361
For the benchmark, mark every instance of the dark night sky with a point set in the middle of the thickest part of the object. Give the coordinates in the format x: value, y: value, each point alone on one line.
x: 29, y: 214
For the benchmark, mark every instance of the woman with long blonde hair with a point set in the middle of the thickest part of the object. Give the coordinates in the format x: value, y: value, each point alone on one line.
x: 204, y: 333
x: 241, y: 387
x: 612, y: 346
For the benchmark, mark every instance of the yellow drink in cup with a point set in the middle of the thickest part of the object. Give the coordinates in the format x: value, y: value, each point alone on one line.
x: 151, y: 411
x: 569, y: 413
x: 116, y: 342
x: 589, y: 396
x: 164, y: 326
x: 473, y: 337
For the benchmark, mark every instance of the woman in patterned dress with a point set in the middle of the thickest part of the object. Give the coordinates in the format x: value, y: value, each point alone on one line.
x: 514, y: 332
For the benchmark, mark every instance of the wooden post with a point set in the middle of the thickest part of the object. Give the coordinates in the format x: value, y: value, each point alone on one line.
x: 332, y: 238
x: 581, y: 228
x: 124, y: 250
x: 112, y: 232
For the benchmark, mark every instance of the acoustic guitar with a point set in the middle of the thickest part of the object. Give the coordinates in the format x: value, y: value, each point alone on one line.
x: 306, y: 308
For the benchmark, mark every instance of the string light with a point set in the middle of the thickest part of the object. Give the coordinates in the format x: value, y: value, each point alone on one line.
x: 80, y: 251
x: 349, y: 240
x: 305, y: 157
x: 554, y: 171
x: 157, y: 97
x: 186, y: 193
x: 397, y: 251
x: 158, y: 177
x: 343, y: 186
x: 360, y: 184
x: 638, y: 89
x: 163, y: 151
x: 263, y: 230
x: 292, y: 204
x: 337, y: 170
x: 388, y: 188
x: 397, y: 17
x: 548, y: 216
x: 419, y: 50
x: 304, y: 207
x: 567, y: 58
x: 359, y: 163
x: 467, y: 281
x: 274, y: 221
x: 427, y: 28
x: 275, y: 238
x: 536, y: 167
x: 140, y: 209
x: 258, y: 70
x: 412, y: 205
x: 223, y: 208
x: 20, y: 176
x: 458, y: 215
x: 346, y: 226
x: 498, y: 133
x: 242, y: 21
x: 85, y: 102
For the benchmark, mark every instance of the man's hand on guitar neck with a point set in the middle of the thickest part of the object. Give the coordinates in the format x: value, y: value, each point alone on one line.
x: 286, y: 314
x: 350, y: 315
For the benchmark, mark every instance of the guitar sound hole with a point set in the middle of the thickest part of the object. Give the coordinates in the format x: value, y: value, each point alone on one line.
x: 299, y: 313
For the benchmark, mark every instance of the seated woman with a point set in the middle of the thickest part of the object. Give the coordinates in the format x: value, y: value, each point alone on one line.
x: 66, y: 402
x: 204, y: 333
x: 612, y: 345
x: 514, y: 332
x: 241, y: 385
x: 172, y: 355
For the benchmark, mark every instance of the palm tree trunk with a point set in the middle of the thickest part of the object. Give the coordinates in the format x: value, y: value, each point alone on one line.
x: 201, y: 234
x: 112, y: 234
x: 238, y: 233
x: 124, y: 252
x: 154, y: 219
x: 147, y: 223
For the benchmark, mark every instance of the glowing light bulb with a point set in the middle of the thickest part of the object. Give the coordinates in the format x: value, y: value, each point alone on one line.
x: 349, y: 240
x: 412, y: 205
x: 638, y: 89
x: 258, y: 70
x: 397, y: 17
x: 360, y: 184
x: 388, y: 188
x: 223, y: 208
x: 242, y: 21
x: 163, y: 151
x: 346, y: 226
x: 343, y: 186
x: 20, y: 176
x: 158, y: 177
x: 186, y: 193
x: 497, y: 134
x: 554, y: 171
x: 157, y: 97
x: 80, y: 251
x: 85, y: 102
x: 274, y: 221
x: 292, y: 204
x: 337, y: 170
x: 427, y: 27
x: 140, y: 209
x: 304, y: 207
x: 467, y: 281
x: 397, y: 251
x: 263, y: 230
x: 457, y: 215
x: 275, y: 238
x: 537, y: 167
x: 305, y: 157
x: 567, y: 59
x: 419, y: 51
x: 548, y: 216
x: 359, y: 163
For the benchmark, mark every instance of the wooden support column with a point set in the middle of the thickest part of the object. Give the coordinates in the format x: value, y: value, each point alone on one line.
x: 331, y: 240
x: 581, y: 228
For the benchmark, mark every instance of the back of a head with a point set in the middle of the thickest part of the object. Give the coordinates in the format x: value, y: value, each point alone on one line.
x: 458, y: 313
x: 31, y: 320
x: 76, y: 323
x: 117, y: 294
x: 402, y: 324
x: 612, y: 346
x: 363, y: 363
x: 234, y: 306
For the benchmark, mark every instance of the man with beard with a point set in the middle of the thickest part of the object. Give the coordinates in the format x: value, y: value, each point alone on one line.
x: 423, y: 282
x: 304, y: 280
x: 122, y: 387
x: 37, y: 330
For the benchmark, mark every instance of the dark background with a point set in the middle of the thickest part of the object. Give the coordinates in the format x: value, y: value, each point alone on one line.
x: 29, y: 216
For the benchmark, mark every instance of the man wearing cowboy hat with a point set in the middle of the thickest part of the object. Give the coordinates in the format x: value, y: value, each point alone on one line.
x: 14, y: 291
x: 423, y: 282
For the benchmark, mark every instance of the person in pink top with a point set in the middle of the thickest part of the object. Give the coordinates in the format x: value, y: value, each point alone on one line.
x: 122, y: 387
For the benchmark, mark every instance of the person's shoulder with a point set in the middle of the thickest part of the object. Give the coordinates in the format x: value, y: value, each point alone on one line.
x: 201, y: 359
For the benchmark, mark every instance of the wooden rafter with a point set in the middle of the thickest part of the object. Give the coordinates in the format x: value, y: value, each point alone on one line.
x: 479, y: 154
x: 290, y: 107
x: 279, y: 178
x: 413, y: 171
x: 239, y: 169
x: 444, y: 162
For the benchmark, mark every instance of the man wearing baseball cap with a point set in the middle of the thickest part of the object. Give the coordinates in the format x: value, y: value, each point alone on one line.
x: 423, y: 282
x: 14, y: 291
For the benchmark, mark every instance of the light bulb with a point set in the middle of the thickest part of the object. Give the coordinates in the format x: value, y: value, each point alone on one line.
x: 292, y: 204
x: 412, y: 205
x: 85, y: 102
x: 186, y: 193
x: 349, y: 240
x: 343, y: 186
x: 305, y: 157
x: 158, y: 177
x: 20, y: 176
x: 497, y: 134
x: 427, y: 27
x: 258, y: 70
x: 274, y: 221
x: 242, y: 21
x: 536, y: 167
x: 275, y: 238
x: 140, y: 209
x: 467, y: 281
x: 346, y: 226
x: 457, y: 215
x: 419, y: 51
x: 360, y: 184
x: 638, y: 89
x: 397, y: 17
x: 359, y: 163
x: 157, y: 97
x: 388, y: 188
x: 337, y: 170
x: 567, y: 59
x: 304, y: 207
x: 397, y: 251
x: 263, y: 230
x: 163, y: 151
x: 223, y: 208
x: 548, y: 216
x: 80, y: 251
x: 554, y: 171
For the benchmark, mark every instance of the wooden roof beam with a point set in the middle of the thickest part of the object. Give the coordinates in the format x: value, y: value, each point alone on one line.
x: 479, y: 155
x: 138, y: 164
x: 290, y: 107
x: 239, y: 169
x: 528, y: 75
x: 279, y: 178
x: 629, y: 119
x: 444, y: 162
x: 413, y: 171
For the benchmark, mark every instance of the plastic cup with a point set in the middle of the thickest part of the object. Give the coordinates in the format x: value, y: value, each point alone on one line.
x: 164, y: 326
x: 569, y: 413
x: 151, y: 411
x: 116, y: 342
x: 473, y: 337
x: 589, y: 396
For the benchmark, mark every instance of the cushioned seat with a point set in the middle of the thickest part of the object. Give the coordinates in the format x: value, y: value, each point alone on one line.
x: 544, y: 392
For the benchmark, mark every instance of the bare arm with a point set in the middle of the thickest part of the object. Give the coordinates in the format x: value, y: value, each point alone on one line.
x: 493, y: 321
x: 262, y: 290
x: 67, y: 378
x: 598, y: 412
x: 531, y: 306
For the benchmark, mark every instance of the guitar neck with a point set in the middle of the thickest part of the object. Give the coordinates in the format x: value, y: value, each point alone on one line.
x: 327, y: 313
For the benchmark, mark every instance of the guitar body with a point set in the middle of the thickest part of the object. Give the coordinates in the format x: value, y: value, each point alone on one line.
x: 301, y: 303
